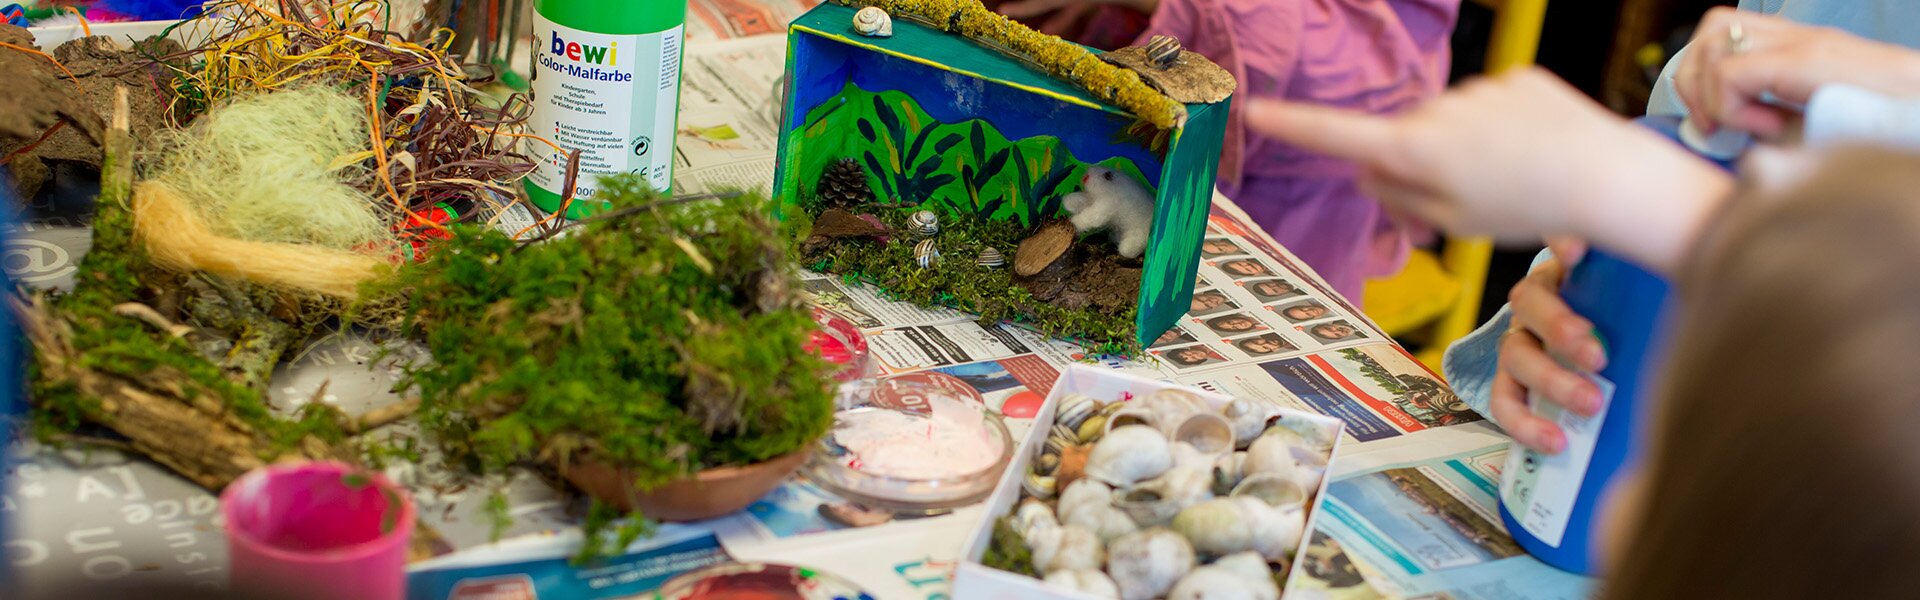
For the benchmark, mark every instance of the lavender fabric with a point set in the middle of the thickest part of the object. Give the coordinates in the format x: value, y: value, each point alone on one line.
x: 1378, y: 56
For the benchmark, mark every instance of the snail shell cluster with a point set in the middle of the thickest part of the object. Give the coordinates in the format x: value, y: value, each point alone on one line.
x: 1179, y: 497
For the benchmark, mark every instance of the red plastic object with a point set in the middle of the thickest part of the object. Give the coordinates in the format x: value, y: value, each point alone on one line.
x: 840, y: 342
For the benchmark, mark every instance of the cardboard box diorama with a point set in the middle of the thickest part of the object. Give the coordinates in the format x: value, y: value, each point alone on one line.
x: 1145, y: 563
x: 945, y: 171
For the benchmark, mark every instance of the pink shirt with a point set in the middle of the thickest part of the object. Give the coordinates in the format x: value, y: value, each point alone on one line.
x: 1378, y: 56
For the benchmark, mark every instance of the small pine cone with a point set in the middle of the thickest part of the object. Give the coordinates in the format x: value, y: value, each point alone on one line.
x: 844, y: 184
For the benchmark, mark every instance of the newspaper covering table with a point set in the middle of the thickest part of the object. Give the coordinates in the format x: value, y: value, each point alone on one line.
x: 1410, y: 513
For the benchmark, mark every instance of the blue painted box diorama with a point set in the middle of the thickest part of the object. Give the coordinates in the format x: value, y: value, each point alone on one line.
x: 953, y: 157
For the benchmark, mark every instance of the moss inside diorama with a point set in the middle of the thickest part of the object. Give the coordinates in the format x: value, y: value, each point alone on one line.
x: 871, y: 161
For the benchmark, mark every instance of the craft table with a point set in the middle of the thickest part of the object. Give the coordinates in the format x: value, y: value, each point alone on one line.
x: 1410, y: 511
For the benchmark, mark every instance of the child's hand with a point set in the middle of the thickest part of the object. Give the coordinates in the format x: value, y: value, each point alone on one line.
x: 1545, y: 327
x: 1518, y: 156
x: 1723, y: 79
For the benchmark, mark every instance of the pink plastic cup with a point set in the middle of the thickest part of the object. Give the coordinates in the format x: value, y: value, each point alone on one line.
x: 318, y: 530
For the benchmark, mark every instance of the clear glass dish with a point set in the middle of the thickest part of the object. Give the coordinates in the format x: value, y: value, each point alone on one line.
x: 911, y: 447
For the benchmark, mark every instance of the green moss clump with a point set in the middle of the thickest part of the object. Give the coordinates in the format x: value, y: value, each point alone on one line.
x: 1007, y: 552
x: 662, y: 337
x: 959, y: 282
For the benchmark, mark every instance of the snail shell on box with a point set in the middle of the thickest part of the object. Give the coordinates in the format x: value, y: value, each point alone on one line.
x: 873, y: 22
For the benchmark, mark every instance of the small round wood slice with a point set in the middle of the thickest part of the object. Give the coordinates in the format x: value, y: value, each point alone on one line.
x: 1043, y: 248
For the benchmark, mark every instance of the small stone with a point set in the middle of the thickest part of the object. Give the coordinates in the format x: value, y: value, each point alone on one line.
x: 926, y: 254
x: 991, y: 258
x: 873, y: 22
x: 925, y: 223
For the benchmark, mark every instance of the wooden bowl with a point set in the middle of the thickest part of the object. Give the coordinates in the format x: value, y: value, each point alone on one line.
x: 707, y: 494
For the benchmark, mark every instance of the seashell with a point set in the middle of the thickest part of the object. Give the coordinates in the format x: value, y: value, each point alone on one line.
x: 1271, y: 454
x: 1242, y: 576
x: 1091, y: 582
x: 1128, y: 455
x: 1038, y: 486
x: 1145, y: 564
x: 1104, y: 520
x: 925, y: 223
x: 1311, y: 435
x: 1131, y: 416
x: 1276, y: 529
x: 1091, y: 429
x: 1211, y: 434
x: 991, y: 258
x: 1175, y: 403
x: 1073, y: 464
x: 1185, y: 455
x: 1275, y: 490
x: 1228, y: 471
x: 926, y: 254
x: 1075, y: 409
x: 1046, y: 464
x: 1145, y: 506
x: 1033, y: 515
x: 1055, y: 445
x: 1065, y: 548
x: 1215, y: 527
x: 1082, y: 494
x: 1163, y: 51
x: 873, y: 22
x: 1249, y: 418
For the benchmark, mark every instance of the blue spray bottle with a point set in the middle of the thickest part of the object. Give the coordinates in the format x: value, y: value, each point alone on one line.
x: 1549, y: 502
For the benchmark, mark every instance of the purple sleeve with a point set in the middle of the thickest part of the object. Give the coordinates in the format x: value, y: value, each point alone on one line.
x: 1372, y: 55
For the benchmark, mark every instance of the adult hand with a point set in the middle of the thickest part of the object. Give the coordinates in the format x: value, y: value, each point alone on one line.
x: 1725, y: 78
x: 1518, y: 156
x: 1545, y: 327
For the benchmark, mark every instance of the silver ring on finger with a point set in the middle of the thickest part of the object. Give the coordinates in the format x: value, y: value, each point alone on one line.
x: 1737, y: 40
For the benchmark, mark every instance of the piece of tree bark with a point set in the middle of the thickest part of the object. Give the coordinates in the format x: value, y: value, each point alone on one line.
x: 1044, y: 248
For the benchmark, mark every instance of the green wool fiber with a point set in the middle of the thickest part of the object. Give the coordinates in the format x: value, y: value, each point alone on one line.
x: 278, y: 167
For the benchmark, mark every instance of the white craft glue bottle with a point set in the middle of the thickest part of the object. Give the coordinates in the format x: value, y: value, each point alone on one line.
x: 606, y: 82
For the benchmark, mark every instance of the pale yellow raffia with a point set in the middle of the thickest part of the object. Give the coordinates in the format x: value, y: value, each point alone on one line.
x: 260, y: 190
x: 178, y: 239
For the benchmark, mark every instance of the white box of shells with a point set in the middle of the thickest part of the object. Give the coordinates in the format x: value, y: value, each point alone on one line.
x: 1143, y: 489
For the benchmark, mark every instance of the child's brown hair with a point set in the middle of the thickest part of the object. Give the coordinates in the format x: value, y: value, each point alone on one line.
x: 1785, y: 458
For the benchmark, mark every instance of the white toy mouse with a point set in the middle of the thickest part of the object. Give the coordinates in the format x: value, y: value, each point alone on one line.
x: 1110, y: 200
